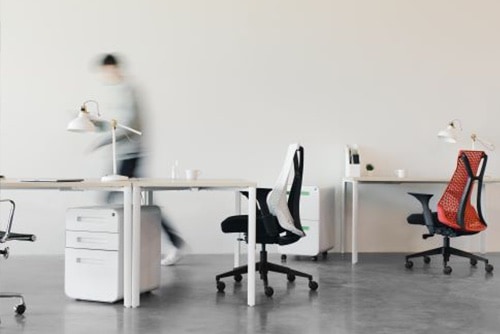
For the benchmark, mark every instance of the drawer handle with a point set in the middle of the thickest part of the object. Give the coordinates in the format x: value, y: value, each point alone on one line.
x: 98, y: 241
x: 92, y: 219
x: 89, y: 261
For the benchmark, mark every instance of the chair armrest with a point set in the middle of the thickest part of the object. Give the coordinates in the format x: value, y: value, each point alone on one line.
x: 424, y: 200
x: 11, y: 216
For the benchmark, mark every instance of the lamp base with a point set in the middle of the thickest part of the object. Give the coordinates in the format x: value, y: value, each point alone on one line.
x: 111, y: 178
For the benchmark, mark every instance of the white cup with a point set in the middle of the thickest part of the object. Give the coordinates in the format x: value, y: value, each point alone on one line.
x: 400, y: 173
x: 192, y: 174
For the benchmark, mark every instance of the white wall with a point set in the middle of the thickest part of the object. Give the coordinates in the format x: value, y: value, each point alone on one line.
x: 228, y: 84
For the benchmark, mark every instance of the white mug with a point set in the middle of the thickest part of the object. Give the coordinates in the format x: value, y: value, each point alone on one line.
x: 400, y: 173
x: 192, y: 174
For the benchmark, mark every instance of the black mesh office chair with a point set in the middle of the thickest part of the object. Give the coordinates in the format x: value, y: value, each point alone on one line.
x: 269, y: 231
x: 6, y: 236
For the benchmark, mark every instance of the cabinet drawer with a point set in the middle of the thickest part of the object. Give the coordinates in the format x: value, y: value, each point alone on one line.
x: 93, y: 275
x: 99, y: 219
x: 92, y: 240
x: 307, y: 246
x: 309, y: 202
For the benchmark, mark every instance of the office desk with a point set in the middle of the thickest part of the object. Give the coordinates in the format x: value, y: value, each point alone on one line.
x: 132, y: 189
x: 150, y: 185
x: 380, y: 180
x: 123, y: 186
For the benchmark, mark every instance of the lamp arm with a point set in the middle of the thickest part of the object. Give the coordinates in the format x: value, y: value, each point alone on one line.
x: 127, y: 128
x: 456, y: 124
x: 486, y: 144
x: 113, y: 146
x: 114, y: 125
x: 84, y: 107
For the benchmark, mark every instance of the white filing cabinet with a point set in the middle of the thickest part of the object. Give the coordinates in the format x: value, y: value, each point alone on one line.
x: 94, y: 252
x: 317, y: 223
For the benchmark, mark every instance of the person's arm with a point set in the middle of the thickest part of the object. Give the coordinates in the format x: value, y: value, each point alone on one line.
x: 127, y: 116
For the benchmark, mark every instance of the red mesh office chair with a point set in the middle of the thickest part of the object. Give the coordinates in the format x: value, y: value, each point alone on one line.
x: 455, y: 216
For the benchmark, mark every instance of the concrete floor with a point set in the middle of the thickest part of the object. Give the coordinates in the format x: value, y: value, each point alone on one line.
x: 376, y: 296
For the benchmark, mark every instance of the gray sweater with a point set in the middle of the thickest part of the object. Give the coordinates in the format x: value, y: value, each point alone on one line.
x: 120, y: 102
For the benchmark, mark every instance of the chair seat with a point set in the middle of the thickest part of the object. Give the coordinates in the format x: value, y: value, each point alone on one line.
x: 418, y: 218
x: 18, y: 236
x: 239, y: 224
x: 440, y: 228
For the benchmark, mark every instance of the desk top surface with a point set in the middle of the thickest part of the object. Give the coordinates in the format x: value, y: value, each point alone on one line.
x: 395, y: 179
x: 33, y: 183
x: 146, y: 183
x: 184, y: 183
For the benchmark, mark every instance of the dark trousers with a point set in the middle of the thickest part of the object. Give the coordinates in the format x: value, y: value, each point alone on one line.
x: 129, y: 167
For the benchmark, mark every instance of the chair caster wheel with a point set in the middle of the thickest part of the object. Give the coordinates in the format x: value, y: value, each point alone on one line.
x: 447, y: 270
x: 290, y: 277
x: 324, y: 255
x: 5, y: 252
x: 221, y: 286
x: 409, y: 264
x: 427, y: 260
x: 473, y: 262
x: 488, y: 268
x: 283, y: 258
x: 238, y: 277
x: 313, y: 285
x: 20, y: 309
x: 314, y: 258
x: 268, y: 291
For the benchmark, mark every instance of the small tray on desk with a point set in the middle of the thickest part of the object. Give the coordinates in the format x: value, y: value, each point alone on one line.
x: 51, y: 180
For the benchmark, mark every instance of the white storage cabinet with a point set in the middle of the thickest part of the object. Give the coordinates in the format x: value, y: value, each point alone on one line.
x: 94, y: 252
x: 317, y: 223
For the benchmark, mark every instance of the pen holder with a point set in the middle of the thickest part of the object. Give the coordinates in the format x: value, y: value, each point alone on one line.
x: 352, y: 161
x: 353, y: 171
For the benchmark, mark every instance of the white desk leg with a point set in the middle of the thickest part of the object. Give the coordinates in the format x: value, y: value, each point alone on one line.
x: 354, y: 222
x: 237, y: 246
x: 342, y: 217
x: 147, y: 197
x: 251, y: 246
x: 136, y: 246
x: 127, y: 246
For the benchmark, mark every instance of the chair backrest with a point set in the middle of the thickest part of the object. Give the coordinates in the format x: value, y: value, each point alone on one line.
x: 8, y: 226
x: 455, y: 208
x: 294, y: 197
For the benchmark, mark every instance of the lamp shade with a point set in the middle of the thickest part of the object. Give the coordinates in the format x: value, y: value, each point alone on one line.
x: 82, y: 123
x: 449, y: 134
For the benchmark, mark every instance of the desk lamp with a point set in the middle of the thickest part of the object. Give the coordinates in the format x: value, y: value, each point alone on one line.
x: 450, y: 135
x: 85, y: 122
